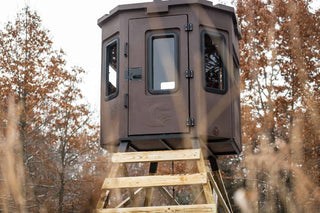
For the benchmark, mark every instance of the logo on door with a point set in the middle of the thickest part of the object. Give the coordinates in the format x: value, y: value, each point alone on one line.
x: 161, y: 115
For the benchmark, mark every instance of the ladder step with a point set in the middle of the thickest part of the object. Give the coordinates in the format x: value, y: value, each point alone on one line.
x: 199, y: 208
x: 156, y: 156
x: 158, y: 180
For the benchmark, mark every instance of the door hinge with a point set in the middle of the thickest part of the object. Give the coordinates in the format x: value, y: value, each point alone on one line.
x: 188, y: 27
x: 191, y: 122
x: 189, y: 73
x: 126, y: 49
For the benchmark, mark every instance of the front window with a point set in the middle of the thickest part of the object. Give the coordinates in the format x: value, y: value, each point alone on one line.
x: 112, y: 70
x: 162, y: 63
x: 213, y: 45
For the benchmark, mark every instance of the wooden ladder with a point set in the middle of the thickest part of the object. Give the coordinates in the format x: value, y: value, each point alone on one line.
x: 198, y: 180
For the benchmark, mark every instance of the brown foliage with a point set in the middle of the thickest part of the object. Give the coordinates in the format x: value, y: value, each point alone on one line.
x: 280, y: 105
x: 59, y: 141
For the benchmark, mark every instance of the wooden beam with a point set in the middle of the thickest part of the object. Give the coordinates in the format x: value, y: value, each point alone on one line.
x: 163, y: 191
x: 112, y: 173
x: 152, y: 171
x: 104, y: 193
x: 129, y: 198
x: 159, y: 180
x: 169, y: 197
x: 225, y: 205
x: 218, y: 178
x: 156, y: 156
x: 197, y: 197
x: 200, y: 208
x: 132, y: 193
x: 102, y: 198
x: 206, y: 187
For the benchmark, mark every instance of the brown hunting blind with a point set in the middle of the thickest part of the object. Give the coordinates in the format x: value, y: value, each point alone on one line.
x: 170, y: 74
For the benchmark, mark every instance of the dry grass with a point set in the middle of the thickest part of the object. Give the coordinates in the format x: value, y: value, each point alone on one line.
x: 12, y: 174
x: 11, y: 165
x: 276, y: 179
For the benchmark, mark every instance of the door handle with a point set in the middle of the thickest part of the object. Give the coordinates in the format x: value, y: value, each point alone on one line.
x: 136, y: 77
x: 135, y: 74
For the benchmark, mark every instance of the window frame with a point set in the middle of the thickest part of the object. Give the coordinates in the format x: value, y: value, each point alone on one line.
x: 224, y: 59
x: 151, y: 37
x: 106, y: 69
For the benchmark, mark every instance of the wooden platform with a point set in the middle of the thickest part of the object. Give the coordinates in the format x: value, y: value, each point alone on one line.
x: 200, y: 180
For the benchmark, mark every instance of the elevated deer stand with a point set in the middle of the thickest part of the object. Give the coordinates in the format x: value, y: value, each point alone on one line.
x: 169, y: 81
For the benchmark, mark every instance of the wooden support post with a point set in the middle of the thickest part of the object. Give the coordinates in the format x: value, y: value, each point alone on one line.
x: 167, y: 194
x: 206, y: 187
x: 196, y: 190
x: 152, y: 171
x: 201, y: 167
x: 131, y: 191
x: 216, y: 175
x: 126, y: 201
x: 104, y: 192
x: 104, y: 196
x: 222, y: 201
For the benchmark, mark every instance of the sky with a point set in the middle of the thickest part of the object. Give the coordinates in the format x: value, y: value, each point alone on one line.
x: 73, y: 27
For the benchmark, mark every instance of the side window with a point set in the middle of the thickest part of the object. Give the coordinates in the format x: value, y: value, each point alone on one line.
x: 162, y: 63
x: 213, y: 45
x: 236, y: 73
x: 112, y: 70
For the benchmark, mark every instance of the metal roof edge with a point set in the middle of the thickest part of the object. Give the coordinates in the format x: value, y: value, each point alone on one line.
x: 234, y: 17
x: 151, y: 4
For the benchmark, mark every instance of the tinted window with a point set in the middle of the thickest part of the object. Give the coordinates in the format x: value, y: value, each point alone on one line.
x: 112, y: 70
x: 162, y: 63
x: 215, y: 75
x: 236, y: 72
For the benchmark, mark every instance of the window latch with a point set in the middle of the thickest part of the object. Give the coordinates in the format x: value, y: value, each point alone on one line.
x: 135, y: 74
